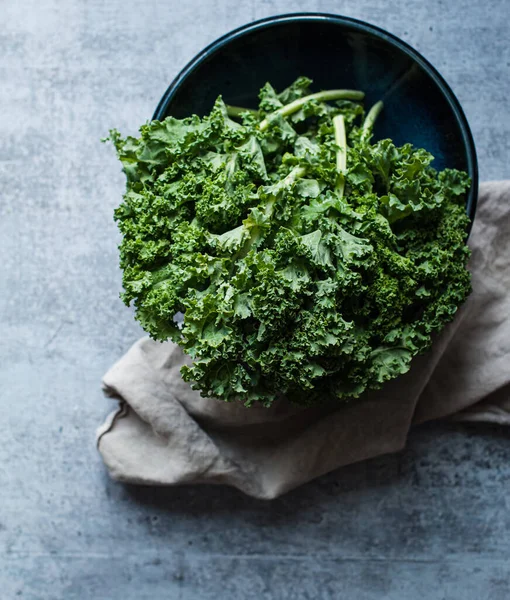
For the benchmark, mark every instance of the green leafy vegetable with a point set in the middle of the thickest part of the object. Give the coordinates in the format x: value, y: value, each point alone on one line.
x: 306, y: 260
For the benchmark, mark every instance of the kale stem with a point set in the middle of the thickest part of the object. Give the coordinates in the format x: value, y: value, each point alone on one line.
x: 287, y: 181
x: 268, y: 208
x: 325, y: 96
x: 238, y: 111
x: 370, y: 118
x: 296, y: 173
x: 341, y: 155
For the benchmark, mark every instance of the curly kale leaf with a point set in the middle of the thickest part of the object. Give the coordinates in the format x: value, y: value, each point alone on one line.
x: 307, y: 261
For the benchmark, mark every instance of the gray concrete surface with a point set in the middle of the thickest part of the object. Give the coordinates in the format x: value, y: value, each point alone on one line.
x: 431, y: 523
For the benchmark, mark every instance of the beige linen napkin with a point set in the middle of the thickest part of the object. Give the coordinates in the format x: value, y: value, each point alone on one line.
x: 165, y: 433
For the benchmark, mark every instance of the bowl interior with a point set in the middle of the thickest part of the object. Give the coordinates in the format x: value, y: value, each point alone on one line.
x: 336, y: 53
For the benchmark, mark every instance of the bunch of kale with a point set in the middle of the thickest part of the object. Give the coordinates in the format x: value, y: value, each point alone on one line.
x: 307, y: 261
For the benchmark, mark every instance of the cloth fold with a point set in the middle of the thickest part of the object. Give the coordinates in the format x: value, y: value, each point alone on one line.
x: 165, y: 433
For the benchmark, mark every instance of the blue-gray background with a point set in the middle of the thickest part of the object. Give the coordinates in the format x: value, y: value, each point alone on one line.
x: 431, y: 523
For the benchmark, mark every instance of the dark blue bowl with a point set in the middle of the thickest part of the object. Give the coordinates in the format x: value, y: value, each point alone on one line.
x: 336, y: 52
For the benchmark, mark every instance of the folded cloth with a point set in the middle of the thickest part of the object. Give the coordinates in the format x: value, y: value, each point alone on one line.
x: 165, y: 433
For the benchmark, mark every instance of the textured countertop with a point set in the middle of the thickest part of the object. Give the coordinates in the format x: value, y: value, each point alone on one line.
x: 432, y: 522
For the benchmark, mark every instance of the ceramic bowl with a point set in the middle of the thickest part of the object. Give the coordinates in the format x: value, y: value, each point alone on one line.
x: 336, y: 52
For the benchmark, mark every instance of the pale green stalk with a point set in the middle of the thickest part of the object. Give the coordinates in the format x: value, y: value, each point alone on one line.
x: 341, y: 155
x: 287, y: 181
x: 237, y: 111
x: 325, y: 96
x: 371, y: 117
x: 296, y: 173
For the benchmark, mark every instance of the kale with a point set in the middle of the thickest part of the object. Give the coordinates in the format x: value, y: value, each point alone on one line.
x: 308, y: 262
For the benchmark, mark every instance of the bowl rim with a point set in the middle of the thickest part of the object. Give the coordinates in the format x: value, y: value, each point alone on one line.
x: 357, y: 24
